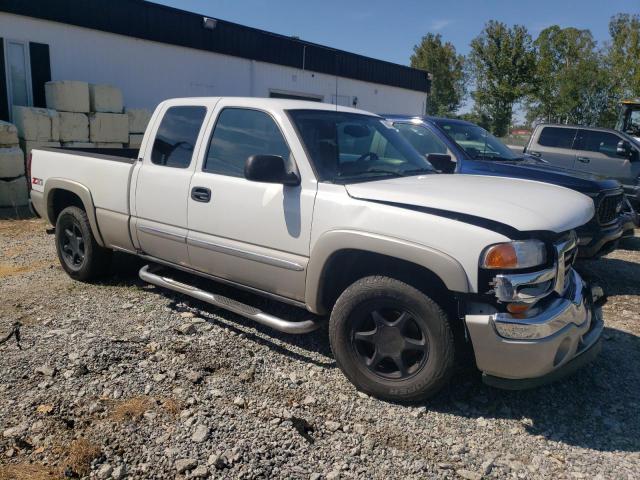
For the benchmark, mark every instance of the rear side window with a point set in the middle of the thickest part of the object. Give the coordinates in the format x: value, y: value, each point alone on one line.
x: 557, y: 137
x: 239, y: 134
x: 421, y: 138
x: 601, y: 142
x: 177, y: 135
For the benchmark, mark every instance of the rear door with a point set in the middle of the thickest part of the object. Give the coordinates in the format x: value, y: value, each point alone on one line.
x: 162, y: 186
x: 554, y: 144
x: 596, y: 153
x: 255, y: 234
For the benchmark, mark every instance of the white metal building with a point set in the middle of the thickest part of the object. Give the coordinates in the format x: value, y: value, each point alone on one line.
x: 153, y: 52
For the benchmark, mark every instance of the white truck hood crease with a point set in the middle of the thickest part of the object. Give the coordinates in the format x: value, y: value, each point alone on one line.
x: 522, y: 204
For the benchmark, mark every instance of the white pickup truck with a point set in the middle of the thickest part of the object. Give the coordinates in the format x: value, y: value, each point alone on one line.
x: 331, y: 210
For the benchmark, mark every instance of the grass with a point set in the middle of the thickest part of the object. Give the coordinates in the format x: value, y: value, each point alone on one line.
x: 132, y: 409
x: 28, y: 471
x: 81, y: 454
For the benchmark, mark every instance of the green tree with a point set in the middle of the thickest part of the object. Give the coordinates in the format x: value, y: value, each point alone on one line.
x: 571, y: 83
x: 501, y: 62
x: 623, y: 54
x: 447, y: 71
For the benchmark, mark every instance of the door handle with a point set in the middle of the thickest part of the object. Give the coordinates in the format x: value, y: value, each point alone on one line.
x: 535, y: 154
x: 201, y: 194
x: 584, y: 159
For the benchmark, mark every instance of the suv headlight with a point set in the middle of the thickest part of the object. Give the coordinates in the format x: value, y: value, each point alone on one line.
x: 514, y: 255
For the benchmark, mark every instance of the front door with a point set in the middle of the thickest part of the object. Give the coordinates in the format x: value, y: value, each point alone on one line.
x: 256, y: 234
x: 162, y: 186
x: 596, y: 153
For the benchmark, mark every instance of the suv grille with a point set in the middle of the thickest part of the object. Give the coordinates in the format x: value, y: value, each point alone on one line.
x: 609, y: 208
x: 566, y: 251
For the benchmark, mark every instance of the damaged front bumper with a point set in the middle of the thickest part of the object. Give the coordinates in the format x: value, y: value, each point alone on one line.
x: 555, y: 338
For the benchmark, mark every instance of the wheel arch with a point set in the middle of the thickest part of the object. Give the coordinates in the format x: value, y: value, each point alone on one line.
x: 61, y: 193
x: 341, y: 256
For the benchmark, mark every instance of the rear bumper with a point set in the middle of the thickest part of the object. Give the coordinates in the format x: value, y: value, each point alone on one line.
x: 525, y: 362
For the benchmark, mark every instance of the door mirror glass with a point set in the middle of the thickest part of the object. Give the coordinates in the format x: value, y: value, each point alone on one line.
x: 623, y: 149
x: 269, y: 169
x: 442, y: 162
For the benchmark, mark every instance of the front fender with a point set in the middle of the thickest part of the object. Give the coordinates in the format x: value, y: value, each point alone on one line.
x: 53, y: 184
x: 448, y: 269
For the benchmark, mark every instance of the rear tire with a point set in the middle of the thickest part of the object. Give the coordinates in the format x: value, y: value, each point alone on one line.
x: 79, y: 253
x: 391, y: 340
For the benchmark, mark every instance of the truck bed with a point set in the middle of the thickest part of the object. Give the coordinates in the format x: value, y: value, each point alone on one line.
x: 104, y: 173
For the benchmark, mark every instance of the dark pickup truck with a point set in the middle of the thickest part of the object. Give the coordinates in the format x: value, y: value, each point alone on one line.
x: 457, y: 146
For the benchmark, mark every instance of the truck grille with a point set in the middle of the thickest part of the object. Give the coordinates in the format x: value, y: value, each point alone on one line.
x: 566, y: 249
x: 609, y: 208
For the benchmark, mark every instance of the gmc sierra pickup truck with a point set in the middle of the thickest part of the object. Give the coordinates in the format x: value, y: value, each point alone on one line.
x: 331, y: 210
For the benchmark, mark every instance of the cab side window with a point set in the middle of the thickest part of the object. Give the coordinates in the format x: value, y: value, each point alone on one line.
x: 177, y: 135
x: 601, y: 142
x: 557, y: 137
x: 240, y: 133
x: 422, y: 139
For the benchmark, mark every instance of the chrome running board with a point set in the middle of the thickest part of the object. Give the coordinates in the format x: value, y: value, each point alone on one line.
x: 234, y: 306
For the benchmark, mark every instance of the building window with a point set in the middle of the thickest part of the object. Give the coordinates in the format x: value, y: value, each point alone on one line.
x: 18, y: 73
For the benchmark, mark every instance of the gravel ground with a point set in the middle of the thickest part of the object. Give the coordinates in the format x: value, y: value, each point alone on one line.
x: 124, y: 380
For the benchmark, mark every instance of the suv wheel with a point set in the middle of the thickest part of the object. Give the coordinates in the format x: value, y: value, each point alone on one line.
x: 391, y: 340
x: 79, y: 253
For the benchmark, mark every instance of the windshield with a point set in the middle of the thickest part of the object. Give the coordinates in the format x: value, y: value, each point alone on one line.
x: 476, y: 141
x: 347, y: 147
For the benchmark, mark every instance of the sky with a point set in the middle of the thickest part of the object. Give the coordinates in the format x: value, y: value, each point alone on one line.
x: 389, y: 29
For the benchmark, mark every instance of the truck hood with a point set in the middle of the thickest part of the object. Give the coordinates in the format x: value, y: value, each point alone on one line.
x: 532, y: 169
x: 522, y: 204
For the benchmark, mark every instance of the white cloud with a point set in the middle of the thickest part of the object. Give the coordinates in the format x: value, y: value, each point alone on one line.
x: 438, y: 25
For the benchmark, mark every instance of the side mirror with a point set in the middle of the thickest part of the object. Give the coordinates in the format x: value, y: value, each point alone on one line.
x: 623, y: 149
x: 269, y: 169
x: 441, y: 162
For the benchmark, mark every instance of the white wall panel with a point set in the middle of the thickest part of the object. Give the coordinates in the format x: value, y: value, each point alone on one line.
x: 150, y: 72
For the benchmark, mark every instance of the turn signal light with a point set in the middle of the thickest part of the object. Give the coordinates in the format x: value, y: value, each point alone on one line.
x: 518, y: 308
x: 501, y: 256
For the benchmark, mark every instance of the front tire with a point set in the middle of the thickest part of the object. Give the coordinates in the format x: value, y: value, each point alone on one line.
x: 391, y: 340
x: 79, y: 253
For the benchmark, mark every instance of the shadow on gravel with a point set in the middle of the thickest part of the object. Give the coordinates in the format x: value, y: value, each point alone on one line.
x: 625, y: 281
x: 631, y: 244
x: 597, y: 408
x: 125, y: 269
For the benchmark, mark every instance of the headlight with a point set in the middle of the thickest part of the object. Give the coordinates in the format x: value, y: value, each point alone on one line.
x: 514, y: 255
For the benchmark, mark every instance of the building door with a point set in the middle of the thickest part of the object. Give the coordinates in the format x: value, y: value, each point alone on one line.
x: 24, y: 69
x: 17, y: 66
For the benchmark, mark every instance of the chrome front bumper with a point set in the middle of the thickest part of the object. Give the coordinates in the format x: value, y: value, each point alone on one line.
x: 541, y: 344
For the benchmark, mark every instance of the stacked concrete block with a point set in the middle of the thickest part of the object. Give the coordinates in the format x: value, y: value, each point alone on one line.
x: 37, y: 124
x: 110, y: 145
x: 11, y: 162
x: 13, y: 184
x: 109, y: 128
x: 138, y: 119
x: 105, y: 99
x: 68, y: 96
x: 8, y: 134
x: 79, y: 145
x: 74, y: 127
x: 28, y: 145
x: 14, y: 192
x: 135, y: 140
